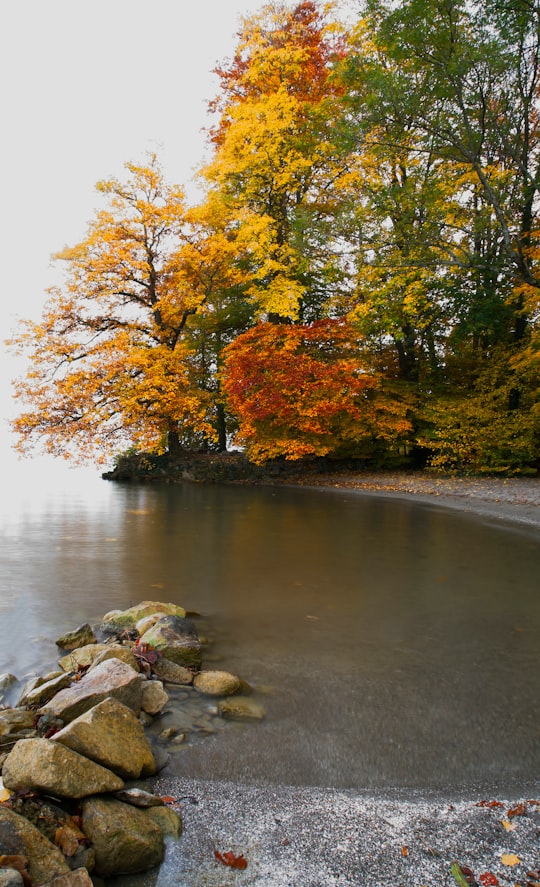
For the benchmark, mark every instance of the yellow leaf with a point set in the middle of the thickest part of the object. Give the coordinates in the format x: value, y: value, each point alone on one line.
x: 510, y: 859
x: 509, y: 826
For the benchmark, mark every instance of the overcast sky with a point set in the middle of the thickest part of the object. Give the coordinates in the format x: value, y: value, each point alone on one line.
x: 86, y: 87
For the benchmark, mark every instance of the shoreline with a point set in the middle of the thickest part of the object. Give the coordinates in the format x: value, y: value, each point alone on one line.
x: 512, y: 500
x: 324, y: 837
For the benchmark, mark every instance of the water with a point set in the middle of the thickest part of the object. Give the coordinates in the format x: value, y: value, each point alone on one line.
x: 391, y: 643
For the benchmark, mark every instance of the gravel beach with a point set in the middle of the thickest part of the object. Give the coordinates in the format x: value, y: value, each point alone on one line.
x: 311, y: 837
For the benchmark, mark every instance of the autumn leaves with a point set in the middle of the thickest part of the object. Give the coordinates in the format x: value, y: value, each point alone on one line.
x: 360, y: 277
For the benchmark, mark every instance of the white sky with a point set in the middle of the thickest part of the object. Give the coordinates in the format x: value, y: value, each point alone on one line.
x: 86, y: 87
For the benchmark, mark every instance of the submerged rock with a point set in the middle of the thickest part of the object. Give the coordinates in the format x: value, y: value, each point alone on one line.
x: 241, y: 708
x: 111, y: 678
x: 125, y: 839
x: 45, y: 766
x: 110, y: 735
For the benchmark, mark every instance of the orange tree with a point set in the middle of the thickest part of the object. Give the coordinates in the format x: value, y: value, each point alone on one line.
x: 303, y: 390
x: 111, y: 365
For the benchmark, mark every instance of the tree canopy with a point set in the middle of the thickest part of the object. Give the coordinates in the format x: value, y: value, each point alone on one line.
x: 361, y: 276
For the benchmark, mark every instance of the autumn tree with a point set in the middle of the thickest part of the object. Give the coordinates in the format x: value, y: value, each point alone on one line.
x: 305, y: 390
x: 273, y: 164
x: 110, y: 364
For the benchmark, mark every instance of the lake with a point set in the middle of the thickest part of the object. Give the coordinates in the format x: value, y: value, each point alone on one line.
x: 391, y: 643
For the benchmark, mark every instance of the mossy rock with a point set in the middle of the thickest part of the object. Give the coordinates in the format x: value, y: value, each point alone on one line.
x: 126, y: 619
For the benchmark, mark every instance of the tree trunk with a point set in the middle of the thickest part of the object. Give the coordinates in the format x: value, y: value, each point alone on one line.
x: 174, y: 448
x: 221, y: 428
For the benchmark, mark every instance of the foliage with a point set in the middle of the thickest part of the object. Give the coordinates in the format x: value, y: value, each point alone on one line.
x: 302, y: 390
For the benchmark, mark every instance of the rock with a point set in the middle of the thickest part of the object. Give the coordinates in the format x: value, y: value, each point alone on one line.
x: 44, y: 692
x: 125, y: 839
x: 20, y: 837
x: 154, y: 697
x: 116, y: 651
x: 7, y: 680
x: 146, y: 622
x: 176, y: 639
x: 34, y: 682
x: 111, y: 678
x: 138, y: 797
x: 14, y: 719
x: 129, y: 618
x: 240, y: 708
x: 216, y: 683
x: 49, y: 767
x: 82, y: 657
x: 110, y: 735
x: 80, y: 637
x: 169, y: 821
x: 11, y: 878
x: 171, y: 672
x: 78, y: 878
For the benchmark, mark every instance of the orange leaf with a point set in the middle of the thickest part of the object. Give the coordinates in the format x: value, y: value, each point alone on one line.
x: 235, y: 862
x: 488, y: 879
x: 518, y: 810
x: 404, y: 851
x: 167, y: 799
x: 509, y: 826
x: 489, y: 804
x: 510, y: 859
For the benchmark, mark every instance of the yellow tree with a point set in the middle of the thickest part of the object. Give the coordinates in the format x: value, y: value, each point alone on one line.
x: 109, y: 362
x: 274, y: 166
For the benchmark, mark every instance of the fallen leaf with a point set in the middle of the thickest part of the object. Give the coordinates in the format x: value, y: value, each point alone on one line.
x: 462, y: 875
x: 488, y: 879
x: 18, y: 863
x: 510, y: 859
x: 489, y: 804
x: 235, y: 862
x: 167, y: 799
x: 67, y: 840
x: 518, y: 810
x: 404, y: 851
x: 509, y: 826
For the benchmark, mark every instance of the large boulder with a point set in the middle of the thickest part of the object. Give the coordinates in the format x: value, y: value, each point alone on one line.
x: 44, y: 692
x: 110, y: 678
x: 125, y: 839
x: 216, y: 683
x: 78, y: 638
x: 18, y: 837
x: 169, y: 821
x: 45, y: 766
x: 110, y: 735
x: 127, y: 619
x: 82, y: 657
x: 176, y: 639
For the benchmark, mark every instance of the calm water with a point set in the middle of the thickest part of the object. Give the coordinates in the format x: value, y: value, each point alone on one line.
x: 392, y: 644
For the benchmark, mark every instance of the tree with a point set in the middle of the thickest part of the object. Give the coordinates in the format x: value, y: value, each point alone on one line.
x: 273, y: 166
x: 110, y: 364
x: 304, y: 390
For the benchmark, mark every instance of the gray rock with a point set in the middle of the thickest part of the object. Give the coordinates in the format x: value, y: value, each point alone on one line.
x: 110, y: 735
x: 78, y: 638
x: 138, y: 797
x: 176, y: 639
x: 241, y: 708
x: 7, y: 680
x: 216, y: 683
x: 125, y: 839
x: 171, y: 672
x: 49, y: 767
x: 154, y: 697
x: 169, y: 821
x: 18, y: 837
x: 129, y: 618
x: 112, y: 678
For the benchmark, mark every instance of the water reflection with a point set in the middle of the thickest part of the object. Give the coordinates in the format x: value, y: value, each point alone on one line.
x: 392, y: 644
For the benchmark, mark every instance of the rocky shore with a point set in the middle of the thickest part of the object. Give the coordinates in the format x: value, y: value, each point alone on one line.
x: 77, y: 742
